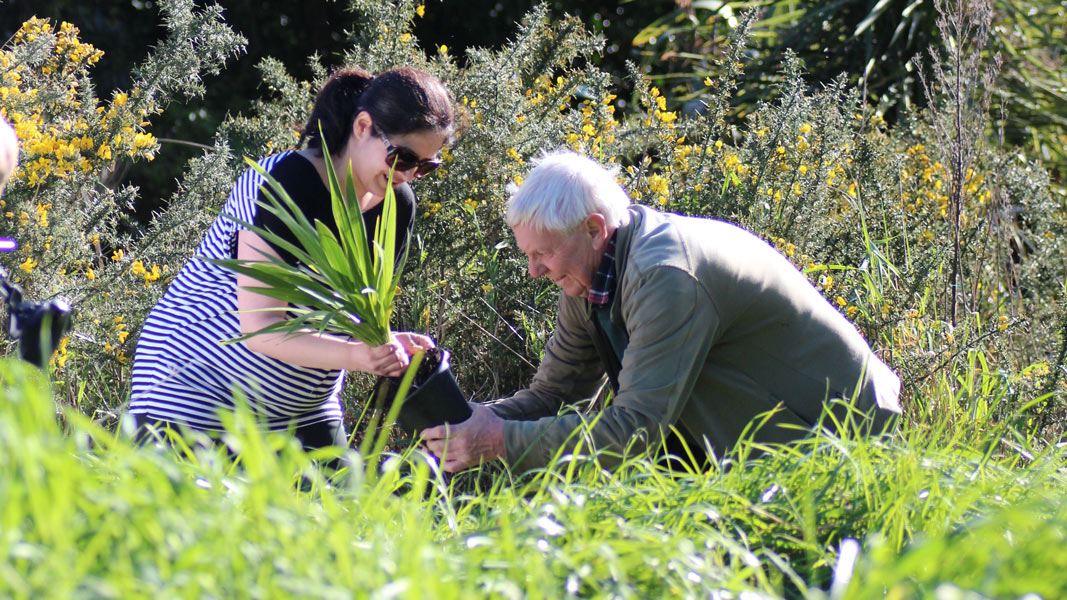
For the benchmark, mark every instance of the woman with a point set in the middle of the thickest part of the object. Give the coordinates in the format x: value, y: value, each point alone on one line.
x: 182, y: 374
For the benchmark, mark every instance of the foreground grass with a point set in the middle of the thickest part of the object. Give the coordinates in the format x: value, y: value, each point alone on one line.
x: 83, y: 514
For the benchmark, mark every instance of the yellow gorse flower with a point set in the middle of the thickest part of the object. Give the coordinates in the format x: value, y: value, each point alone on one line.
x: 58, y: 138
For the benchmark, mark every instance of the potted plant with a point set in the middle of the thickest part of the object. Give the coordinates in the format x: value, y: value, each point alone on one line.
x: 347, y: 286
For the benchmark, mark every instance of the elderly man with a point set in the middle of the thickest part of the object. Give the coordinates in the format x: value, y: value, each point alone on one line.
x: 702, y: 329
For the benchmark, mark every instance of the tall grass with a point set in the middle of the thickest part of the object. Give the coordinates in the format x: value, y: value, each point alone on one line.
x: 85, y: 514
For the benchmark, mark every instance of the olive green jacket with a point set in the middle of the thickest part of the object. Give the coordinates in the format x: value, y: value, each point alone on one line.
x: 721, y: 327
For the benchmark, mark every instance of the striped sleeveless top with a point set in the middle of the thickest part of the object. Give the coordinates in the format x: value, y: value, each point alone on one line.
x: 181, y: 371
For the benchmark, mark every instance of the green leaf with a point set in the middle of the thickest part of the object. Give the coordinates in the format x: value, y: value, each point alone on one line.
x: 347, y: 283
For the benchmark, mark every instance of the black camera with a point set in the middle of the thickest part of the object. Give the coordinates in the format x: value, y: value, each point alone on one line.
x: 37, y: 326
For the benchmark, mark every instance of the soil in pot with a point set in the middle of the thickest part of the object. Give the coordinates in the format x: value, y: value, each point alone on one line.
x: 434, y: 397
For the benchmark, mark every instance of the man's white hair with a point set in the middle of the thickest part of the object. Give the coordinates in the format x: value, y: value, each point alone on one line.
x: 564, y: 188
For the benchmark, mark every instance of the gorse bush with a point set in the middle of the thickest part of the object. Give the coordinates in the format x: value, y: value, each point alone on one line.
x: 64, y: 204
x: 862, y: 208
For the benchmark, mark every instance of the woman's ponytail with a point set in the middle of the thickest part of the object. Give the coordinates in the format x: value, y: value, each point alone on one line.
x: 335, y: 108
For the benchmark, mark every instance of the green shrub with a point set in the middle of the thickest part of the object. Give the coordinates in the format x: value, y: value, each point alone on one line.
x: 862, y: 208
x: 64, y: 206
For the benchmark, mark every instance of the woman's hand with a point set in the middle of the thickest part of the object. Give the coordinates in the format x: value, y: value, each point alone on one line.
x: 413, y: 342
x: 387, y: 360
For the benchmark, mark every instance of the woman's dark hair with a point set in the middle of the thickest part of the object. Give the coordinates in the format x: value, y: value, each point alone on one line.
x: 399, y: 101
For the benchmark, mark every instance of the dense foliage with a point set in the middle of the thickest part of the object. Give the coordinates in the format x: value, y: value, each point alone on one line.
x: 947, y: 251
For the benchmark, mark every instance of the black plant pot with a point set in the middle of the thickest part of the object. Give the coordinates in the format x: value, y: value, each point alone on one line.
x: 434, y: 397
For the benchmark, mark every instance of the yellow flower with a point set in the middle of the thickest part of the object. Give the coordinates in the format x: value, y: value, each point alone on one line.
x: 514, y: 155
x: 405, y: 37
x: 840, y: 301
x: 851, y: 311
x: 659, y: 184
x: 42, y: 214
x: 90, y: 274
x: 120, y: 99
x: 137, y: 268
x: 28, y: 265
x: 420, y: 10
x: 122, y: 336
x: 803, y: 169
x: 780, y: 150
x: 707, y: 81
x: 117, y: 255
x: 470, y: 204
x: 443, y: 49
x: 805, y: 129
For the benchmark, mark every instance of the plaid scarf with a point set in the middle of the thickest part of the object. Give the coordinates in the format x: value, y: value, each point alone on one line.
x: 604, y: 279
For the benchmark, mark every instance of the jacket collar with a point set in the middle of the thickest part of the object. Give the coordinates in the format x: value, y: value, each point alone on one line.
x: 626, y: 236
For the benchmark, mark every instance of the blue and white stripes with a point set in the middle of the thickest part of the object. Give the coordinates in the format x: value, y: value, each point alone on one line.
x: 181, y: 371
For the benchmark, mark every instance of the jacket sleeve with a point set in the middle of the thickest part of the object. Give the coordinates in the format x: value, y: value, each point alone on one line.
x: 570, y: 371
x: 672, y: 324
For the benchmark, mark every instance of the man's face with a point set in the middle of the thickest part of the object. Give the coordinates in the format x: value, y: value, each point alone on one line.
x: 569, y: 259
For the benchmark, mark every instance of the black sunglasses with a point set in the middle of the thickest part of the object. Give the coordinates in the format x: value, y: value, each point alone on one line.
x: 405, y: 159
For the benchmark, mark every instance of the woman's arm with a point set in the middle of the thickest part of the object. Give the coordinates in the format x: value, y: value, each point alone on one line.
x: 312, y: 349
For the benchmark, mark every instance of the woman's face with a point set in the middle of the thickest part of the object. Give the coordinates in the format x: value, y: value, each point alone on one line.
x: 367, y: 151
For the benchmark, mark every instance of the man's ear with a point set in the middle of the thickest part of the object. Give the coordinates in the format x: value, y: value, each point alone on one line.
x: 597, y: 227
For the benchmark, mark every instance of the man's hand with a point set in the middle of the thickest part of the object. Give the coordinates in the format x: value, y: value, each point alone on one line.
x: 478, y: 439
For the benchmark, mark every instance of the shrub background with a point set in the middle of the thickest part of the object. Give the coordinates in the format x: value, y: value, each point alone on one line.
x: 863, y: 207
